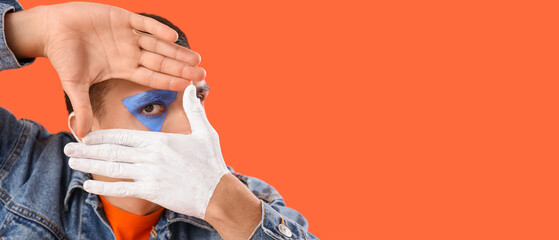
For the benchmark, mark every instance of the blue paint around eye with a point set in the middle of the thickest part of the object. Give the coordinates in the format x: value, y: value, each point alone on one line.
x: 136, y: 103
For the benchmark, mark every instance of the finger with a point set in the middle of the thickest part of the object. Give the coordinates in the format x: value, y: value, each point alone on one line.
x: 171, y: 50
x: 157, y: 80
x: 105, y: 168
x: 116, y: 189
x: 79, y: 97
x: 107, y: 152
x: 150, y: 25
x: 169, y: 66
x: 126, y: 137
x: 195, y: 111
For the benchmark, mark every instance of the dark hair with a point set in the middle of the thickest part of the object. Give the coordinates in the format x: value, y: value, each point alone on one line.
x: 98, y: 90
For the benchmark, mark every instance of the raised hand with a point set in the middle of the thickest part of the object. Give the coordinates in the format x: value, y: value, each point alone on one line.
x: 88, y: 43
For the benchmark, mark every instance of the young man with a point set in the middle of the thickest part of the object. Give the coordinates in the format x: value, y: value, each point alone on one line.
x: 158, y: 167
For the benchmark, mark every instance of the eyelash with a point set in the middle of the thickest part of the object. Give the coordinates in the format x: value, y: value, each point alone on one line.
x: 200, y: 96
x: 164, y: 109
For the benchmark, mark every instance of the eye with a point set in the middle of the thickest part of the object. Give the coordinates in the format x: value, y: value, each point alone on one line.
x: 201, y: 96
x: 153, y: 109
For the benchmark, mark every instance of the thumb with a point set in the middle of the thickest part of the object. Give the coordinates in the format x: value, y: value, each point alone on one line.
x: 195, y: 111
x: 79, y: 97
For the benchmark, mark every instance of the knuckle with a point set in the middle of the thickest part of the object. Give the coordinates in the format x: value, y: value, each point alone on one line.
x: 81, y: 151
x: 112, y: 154
x: 87, y: 164
x: 141, y: 41
x: 145, y: 21
x: 101, y: 137
x: 176, y: 52
x: 120, y: 190
x: 184, y: 71
x: 152, y: 79
x: 158, y: 28
x: 142, y: 59
x: 181, y: 54
x: 81, y: 163
x: 115, y: 170
x: 163, y: 65
x: 194, y: 58
x: 122, y: 138
x: 155, y: 45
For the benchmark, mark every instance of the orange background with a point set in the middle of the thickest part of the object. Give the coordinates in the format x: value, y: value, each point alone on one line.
x: 376, y: 120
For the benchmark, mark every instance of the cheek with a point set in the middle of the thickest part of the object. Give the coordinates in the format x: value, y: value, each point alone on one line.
x: 176, y: 120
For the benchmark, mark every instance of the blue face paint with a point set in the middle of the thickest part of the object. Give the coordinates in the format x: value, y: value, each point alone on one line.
x: 136, y: 104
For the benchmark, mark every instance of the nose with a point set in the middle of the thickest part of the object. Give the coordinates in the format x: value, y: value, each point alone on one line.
x: 176, y: 120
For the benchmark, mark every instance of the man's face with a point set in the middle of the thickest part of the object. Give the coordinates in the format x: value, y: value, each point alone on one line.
x: 115, y: 114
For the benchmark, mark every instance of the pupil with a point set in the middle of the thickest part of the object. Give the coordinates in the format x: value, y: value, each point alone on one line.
x: 148, y: 108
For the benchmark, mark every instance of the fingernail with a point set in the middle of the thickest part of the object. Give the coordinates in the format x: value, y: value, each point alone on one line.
x: 73, y: 163
x: 87, y: 186
x: 68, y: 149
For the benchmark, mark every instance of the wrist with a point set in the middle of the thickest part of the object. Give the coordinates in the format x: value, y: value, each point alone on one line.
x: 24, y: 32
x: 233, y: 210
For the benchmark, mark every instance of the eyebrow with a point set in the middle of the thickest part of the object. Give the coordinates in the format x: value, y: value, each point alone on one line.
x: 153, y: 95
x: 202, y: 89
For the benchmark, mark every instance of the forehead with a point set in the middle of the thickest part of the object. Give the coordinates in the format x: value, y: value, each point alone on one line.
x: 119, y: 88
x: 123, y: 88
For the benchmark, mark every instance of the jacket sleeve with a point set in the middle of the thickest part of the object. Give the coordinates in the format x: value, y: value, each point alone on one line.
x: 7, y: 58
x: 278, y: 221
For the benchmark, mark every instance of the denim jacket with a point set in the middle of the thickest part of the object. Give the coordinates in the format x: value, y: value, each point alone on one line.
x: 42, y: 198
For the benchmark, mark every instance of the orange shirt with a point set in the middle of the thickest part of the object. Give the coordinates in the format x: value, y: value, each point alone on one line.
x: 126, y: 225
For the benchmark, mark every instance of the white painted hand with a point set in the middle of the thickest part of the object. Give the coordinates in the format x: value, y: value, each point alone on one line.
x: 179, y: 172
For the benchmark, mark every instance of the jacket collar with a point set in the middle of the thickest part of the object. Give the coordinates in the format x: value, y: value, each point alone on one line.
x: 76, y: 182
